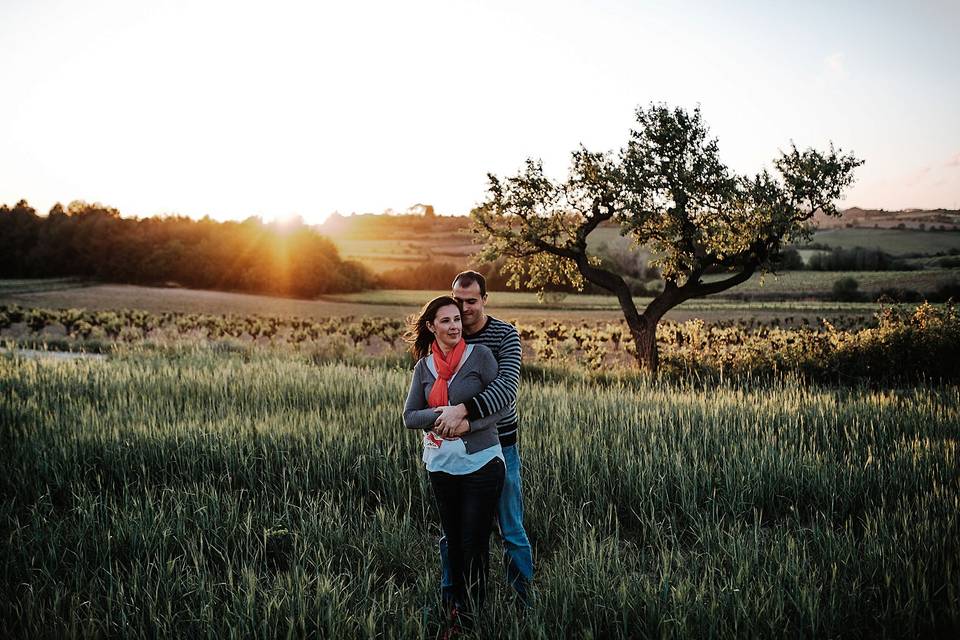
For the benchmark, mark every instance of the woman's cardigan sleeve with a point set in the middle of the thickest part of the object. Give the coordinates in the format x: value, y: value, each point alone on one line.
x: 416, y: 413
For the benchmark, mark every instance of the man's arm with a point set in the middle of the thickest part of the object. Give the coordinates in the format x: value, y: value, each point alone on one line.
x: 472, y: 426
x: 501, y: 392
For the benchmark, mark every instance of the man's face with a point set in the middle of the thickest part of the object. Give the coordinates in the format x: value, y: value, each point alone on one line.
x: 473, y: 303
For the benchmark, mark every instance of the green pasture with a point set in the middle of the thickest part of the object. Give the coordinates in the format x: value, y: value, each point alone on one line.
x: 205, y: 493
x: 800, y: 283
x: 385, y: 254
x: 517, y: 300
x: 388, y: 303
x: 791, y: 286
x: 521, y: 306
x: 893, y: 241
x: 38, y: 285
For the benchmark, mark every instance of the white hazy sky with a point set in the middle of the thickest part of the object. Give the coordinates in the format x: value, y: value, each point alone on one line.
x: 277, y: 108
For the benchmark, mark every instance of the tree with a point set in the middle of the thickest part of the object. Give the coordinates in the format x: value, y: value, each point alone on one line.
x: 669, y: 192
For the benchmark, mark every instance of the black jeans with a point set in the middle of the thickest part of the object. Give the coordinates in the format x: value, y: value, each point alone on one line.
x: 467, y: 506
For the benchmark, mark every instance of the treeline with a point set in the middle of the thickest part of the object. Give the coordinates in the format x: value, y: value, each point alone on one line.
x: 431, y: 275
x: 840, y: 259
x: 856, y: 259
x: 436, y: 275
x: 91, y: 240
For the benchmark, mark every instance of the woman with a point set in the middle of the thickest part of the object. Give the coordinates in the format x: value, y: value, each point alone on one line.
x: 465, y: 463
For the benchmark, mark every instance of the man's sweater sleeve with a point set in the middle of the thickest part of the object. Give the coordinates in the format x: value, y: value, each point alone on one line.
x: 502, y: 392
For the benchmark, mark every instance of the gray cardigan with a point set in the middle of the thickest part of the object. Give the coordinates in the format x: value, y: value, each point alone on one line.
x: 477, y: 369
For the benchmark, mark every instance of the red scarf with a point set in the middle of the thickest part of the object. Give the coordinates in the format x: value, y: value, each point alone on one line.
x: 446, y: 367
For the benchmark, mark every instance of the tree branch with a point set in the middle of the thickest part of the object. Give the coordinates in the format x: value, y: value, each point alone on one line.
x: 611, y: 282
x: 700, y: 289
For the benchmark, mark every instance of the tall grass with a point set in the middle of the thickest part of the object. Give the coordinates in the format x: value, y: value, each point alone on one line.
x: 256, y: 494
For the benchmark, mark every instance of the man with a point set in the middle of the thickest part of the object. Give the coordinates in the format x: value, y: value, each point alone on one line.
x: 470, y: 289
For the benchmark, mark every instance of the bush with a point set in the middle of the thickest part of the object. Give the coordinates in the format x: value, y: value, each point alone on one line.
x: 893, y: 294
x: 904, y: 347
x: 847, y: 290
x: 856, y: 259
x: 946, y: 292
x: 789, y: 260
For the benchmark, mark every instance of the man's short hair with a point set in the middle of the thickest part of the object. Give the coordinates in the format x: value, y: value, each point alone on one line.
x: 467, y: 278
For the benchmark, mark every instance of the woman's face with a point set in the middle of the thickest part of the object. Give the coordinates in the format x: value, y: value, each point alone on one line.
x: 446, y: 326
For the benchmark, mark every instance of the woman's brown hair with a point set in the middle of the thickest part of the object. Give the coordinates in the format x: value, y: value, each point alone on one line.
x: 419, y: 337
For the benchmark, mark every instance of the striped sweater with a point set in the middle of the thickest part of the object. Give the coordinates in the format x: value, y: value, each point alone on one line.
x: 504, y: 341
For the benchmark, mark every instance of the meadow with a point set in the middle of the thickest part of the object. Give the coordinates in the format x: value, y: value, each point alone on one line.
x: 896, y: 242
x: 516, y: 306
x: 201, y: 492
x: 455, y: 246
x: 239, y: 469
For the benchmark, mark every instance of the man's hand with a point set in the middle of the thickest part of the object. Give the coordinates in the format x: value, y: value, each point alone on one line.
x: 462, y: 428
x: 450, y: 417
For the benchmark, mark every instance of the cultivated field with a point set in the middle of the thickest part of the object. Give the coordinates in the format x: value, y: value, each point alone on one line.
x: 522, y: 307
x: 457, y: 247
x: 384, y: 254
x: 234, y: 465
x: 893, y: 241
x: 204, y: 493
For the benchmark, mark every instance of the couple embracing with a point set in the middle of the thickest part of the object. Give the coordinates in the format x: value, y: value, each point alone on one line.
x: 463, y: 397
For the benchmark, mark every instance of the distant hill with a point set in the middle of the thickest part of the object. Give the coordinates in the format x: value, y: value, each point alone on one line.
x: 381, y: 226
x: 924, y: 219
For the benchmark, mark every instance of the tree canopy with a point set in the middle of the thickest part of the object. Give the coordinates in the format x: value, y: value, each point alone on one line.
x: 667, y: 190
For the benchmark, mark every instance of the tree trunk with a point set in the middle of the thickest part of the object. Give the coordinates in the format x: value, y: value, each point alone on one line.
x: 643, y: 327
x: 643, y: 330
x: 645, y: 339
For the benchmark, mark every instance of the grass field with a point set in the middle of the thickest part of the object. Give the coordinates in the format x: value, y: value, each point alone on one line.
x: 509, y: 301
x: 788, y: 284
x: 801, y: 283
x: 382, y: 255
x: 518, y: 306
x: 209, y: 494
x: 892, y: 241
x: 38, y: 285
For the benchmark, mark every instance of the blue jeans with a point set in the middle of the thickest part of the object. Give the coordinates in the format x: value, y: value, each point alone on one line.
x: 517, y: 555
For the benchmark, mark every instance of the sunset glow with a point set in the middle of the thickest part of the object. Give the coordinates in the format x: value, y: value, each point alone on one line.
x: 233, y: 109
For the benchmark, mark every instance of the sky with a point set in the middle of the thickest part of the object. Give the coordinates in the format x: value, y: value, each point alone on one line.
x: 233, y: 108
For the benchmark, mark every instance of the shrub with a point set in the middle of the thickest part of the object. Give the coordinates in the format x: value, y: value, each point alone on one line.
x: 856, y: 259
x: 946, y: 291
x: 847, y: 290
x: 789, y: 260
x: 893, y: 294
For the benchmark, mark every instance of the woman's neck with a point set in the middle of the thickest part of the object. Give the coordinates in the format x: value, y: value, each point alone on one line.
x: 444, y: 349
